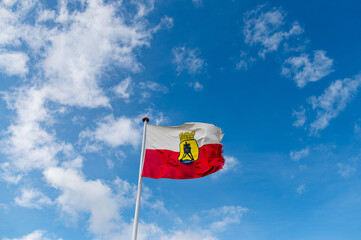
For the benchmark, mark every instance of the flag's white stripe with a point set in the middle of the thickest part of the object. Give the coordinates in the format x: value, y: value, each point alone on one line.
x: 160, y: 137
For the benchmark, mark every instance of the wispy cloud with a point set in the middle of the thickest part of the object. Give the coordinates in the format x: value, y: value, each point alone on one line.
x: 267, y: 29
x: 232, y: 164
x: 301, y: 189
x: 187, y: 59
x: 35, y: 235
x: 197, y: 86
x: 302, y: 69
x: 124, y: 88
x: 227, y: 215
x: 127, y: 87
x: 153, y: 231
x: 153, y: 86
x: 300, y: 117
x: 297, y: 155
x: 9, y: 174
x: 209, y: 224
x: 334, y: 100
x: 245, y: 61
x: 345, y: 170
x: 32, y: 198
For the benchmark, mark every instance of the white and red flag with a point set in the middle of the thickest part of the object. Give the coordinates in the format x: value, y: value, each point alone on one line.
x: 191, y: 150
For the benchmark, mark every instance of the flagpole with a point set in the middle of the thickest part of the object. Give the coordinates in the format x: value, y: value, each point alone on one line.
x: 136, y: 215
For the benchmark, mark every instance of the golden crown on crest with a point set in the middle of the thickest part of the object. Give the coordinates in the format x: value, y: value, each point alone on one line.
x: 186, y: 136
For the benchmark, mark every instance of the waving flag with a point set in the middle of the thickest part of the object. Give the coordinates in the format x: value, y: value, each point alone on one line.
x: 191, y: 150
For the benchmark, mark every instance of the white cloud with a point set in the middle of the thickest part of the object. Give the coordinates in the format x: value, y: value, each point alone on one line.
x: 46, y: 15
x: 245, y: 61
x: 266, y: 29
x: 297, y: 155
x: 146, y: 231
x: 208, y: 224
x: 156, y: 205
x: 79, y: 195
x: 124, y: 88
x: 300, y: 117
x: 187, y: 59
x: 197, y: 86
x: 69, y: 56
x: 8, y: 173
x: 165, y: 23
x: 190, y: 234
x: 302, y: 69
x: 10, y: 28
x: 14, y: 33
x: 114, y: 132
x: 9, y: 2
x: 334, y: 99
x: 28, y: 143
x: 32, y: 198
x: 144, y: 7
x: 345, y: 170
x: 231, y: 164
x: 242, y: 65
x: 94, y: 197
x: 110, y: 163
x: 153, y: 86
x: 299, y: 47
x: 146, y: 88
x: 301, y: 189
x: 159, y: 118
x: 96, y: 38
x: 35, y: 235
x: 226, y: 215
x: 13, y: 63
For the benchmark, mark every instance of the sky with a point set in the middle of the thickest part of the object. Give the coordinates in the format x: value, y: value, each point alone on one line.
x: 280, y: 78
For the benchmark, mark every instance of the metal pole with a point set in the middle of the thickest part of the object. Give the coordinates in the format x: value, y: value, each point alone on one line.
x: 136, y: 215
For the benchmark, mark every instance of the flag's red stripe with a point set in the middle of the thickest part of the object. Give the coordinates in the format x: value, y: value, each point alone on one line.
x: 160, y: 163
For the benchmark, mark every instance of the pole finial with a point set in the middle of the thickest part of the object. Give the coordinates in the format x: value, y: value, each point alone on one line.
x: 145, y: 119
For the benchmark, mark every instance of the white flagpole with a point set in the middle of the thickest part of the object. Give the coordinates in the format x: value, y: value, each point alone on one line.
x: 136, y: 215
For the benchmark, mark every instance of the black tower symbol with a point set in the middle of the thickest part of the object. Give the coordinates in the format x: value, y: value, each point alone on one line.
x: 187, y: 151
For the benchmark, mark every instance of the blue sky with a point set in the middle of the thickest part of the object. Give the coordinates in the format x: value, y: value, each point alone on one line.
x: 281, y: 78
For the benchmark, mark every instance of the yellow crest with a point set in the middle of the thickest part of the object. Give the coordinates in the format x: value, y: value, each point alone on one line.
x: 188, y: 148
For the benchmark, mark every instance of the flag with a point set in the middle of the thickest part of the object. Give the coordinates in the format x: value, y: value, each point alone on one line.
x: 191, y: 150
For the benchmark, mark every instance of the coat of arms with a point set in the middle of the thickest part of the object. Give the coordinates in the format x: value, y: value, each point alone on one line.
x: 188, y: 148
